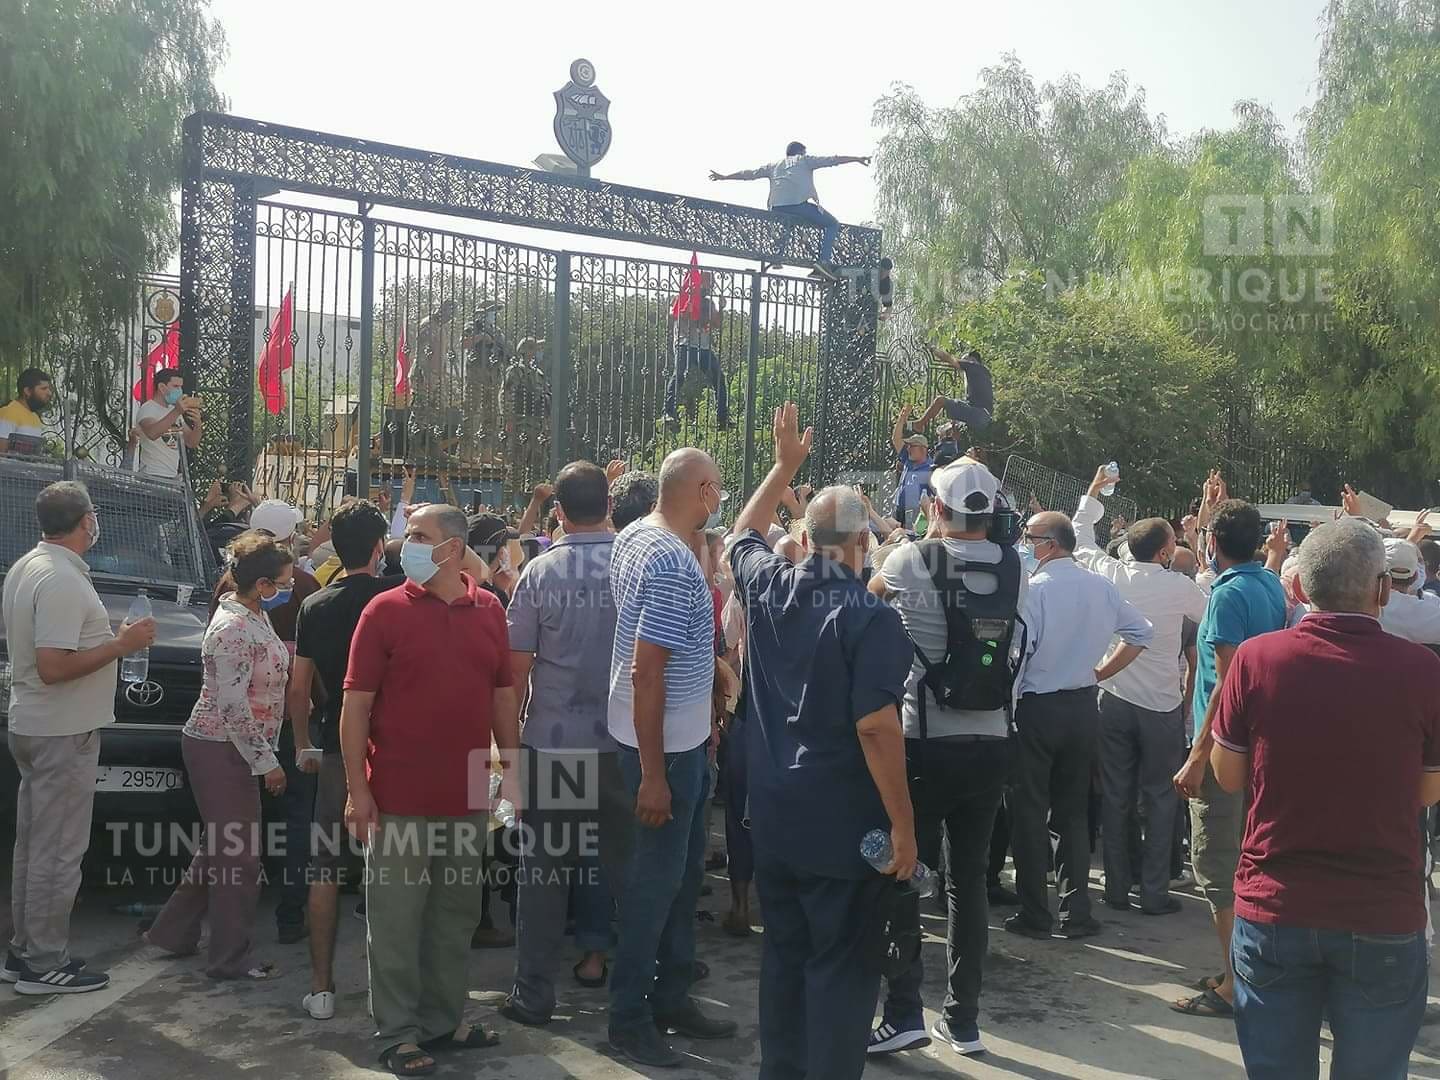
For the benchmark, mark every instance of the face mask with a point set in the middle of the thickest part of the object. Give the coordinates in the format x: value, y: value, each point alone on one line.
x: 277, y: 599
x: 712, y: 517
x: 93, y: 530
x: 173, y: 395
x: 713, y: 521
x: 417, y: 561
x: 1028, y: 560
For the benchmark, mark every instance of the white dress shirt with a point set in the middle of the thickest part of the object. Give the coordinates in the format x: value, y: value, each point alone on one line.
x: 1152, y: 680
x: 1070, y: 616
x: 1414, y: 618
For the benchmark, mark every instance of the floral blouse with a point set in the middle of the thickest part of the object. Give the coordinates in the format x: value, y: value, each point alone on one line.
x: 242, y: 698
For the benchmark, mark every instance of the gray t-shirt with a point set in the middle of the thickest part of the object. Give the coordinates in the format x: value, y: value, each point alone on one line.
x: 49, y: 603
x: 913, y: 594
x: 564, y: 613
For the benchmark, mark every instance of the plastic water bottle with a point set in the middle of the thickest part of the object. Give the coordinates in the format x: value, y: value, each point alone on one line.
x: 502, y: 810
x: 135, y: 668
x: 875, y: 849
x: 1113, y: 471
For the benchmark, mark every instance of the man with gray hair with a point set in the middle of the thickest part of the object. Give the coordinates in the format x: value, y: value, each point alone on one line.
x: 1329, y: 893
x: 62, y: 662
x: 825, y: 674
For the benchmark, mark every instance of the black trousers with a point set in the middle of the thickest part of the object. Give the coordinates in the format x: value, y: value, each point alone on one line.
x: 999, y: 844
x: 1057, y: 735
x: 817, y: 1004
x: 955, y: 790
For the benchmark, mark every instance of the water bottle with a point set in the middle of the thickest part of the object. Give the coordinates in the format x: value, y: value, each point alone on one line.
x: 135, y: 668
x: 875, y: 849
x: 502, y: 810
x: 1113, y: 471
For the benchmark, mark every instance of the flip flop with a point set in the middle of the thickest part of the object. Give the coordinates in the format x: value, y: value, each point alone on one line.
x: 595, y: 983
x: 476, y: 1039
x: 1208, y: 982
x: 1206, y: 1003
x: 399, y: 1061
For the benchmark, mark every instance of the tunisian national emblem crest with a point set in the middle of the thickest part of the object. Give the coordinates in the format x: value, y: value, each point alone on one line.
x: 582, y: 120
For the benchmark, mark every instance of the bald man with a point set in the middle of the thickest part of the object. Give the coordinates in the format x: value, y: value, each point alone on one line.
x: 661, y: 675
x: 826, y: 669
x: 1072, y: 616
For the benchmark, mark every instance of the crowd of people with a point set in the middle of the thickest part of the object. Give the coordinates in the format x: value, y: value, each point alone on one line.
x: 887, y: 701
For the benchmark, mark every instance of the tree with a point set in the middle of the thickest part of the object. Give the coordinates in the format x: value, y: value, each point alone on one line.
x: 92, y: 95
x: 1013, y: 175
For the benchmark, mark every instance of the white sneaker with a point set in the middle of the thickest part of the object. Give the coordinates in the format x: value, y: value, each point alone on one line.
x: 320, y: 1005
x: 888, y: 1039
x: 947, y: 1035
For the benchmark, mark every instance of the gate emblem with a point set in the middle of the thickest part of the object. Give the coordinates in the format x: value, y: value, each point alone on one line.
x: 582, y: 117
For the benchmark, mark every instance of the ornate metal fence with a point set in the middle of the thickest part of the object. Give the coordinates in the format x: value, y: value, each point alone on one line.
x: 486, y: 364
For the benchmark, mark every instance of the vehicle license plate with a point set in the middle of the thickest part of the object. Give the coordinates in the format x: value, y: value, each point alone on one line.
x: 128, y: 778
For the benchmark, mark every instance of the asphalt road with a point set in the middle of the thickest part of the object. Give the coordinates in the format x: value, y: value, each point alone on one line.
x: 1051, y: 1010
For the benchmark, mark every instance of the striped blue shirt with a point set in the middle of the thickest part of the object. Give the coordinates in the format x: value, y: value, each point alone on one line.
x: 661, y: 597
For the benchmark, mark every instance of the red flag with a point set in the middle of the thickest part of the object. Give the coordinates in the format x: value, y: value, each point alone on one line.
x: 687, y: 304
x: 162, y: 356
x: 278, y: 355
x: 402, y: 367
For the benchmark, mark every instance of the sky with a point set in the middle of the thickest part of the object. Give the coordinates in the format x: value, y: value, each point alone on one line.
x: 696, y: 87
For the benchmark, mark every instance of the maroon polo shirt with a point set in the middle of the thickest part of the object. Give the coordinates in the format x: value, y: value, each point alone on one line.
x: 1340, y: 720
x: 433, y: 668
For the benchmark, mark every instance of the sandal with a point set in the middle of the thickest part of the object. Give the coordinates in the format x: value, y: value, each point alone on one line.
x: 477, y: 1038
x: 1209, y: 982
x: 595, y: 983
x: 1206, y: 1003
x: 405, y: 1062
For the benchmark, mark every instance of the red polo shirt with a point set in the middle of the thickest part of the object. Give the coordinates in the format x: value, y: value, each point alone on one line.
x: 433, y: 668
x: 1340, y: 720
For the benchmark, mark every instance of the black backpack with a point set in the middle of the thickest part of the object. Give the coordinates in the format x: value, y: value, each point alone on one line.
x: 976, y: 673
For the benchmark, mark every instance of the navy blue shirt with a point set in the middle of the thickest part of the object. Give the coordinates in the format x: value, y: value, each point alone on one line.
x: 821, y: 653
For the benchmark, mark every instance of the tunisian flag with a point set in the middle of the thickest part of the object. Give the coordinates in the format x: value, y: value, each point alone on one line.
x: 164, y: 355
x: 402, y: 366
x: 278, y: 355
x: 687, y: 304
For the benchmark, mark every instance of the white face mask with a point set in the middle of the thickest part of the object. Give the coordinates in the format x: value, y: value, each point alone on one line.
x: 93, y: 529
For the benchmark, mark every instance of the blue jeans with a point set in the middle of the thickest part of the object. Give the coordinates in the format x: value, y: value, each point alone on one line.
x: 1371, y: 987
x: 811, y: 214
x: 593, y: 908
x: 655, y: 956
x: 709, y: 365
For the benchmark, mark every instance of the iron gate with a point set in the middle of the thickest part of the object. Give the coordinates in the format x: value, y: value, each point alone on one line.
x: 486, y: 364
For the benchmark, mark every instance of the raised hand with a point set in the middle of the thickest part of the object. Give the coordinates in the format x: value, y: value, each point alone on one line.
x: 791, y: 447
x: 1350, y: 500
x: 616, y: 469
x: 1421, y: 529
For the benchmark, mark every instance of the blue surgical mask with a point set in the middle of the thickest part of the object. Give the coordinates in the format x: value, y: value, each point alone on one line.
x: 1028, y: 560
x: 417, y: 561
x: 173, y: 395
x: 280, y: 599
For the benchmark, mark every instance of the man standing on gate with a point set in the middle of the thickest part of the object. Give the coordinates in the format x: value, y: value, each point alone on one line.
x: 960, y: 596
x: 825, y: 670
x: 1142, y: 734
x: 1071, y: 615
x: 792, y: 192
x: 168, y: 420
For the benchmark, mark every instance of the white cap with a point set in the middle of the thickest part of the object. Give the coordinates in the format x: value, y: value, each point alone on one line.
x: 278, y: 518
x: 966, y: 487
x: 1402, y: 559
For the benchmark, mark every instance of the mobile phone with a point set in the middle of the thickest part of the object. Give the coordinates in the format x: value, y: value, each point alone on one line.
x: 308, y: 754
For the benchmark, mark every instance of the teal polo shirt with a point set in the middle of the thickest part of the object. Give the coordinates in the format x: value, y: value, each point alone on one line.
x: 1247, y: 600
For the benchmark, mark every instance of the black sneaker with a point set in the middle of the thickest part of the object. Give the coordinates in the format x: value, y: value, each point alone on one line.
x: 693, y: 1024
x: 999, y: 896
x: 1017, y: 924
x: 644, y: 1046
x: 1072, y: 929
x: 1118, y: 905
x: 71, y: 979
x: 14, y: 965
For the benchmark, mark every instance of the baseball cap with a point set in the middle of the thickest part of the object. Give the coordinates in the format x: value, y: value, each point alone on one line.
x: 917, y: 440
x: 489, y: 531
x: 1402, y: 559
x: 966, y: 487
x: 276, y: 517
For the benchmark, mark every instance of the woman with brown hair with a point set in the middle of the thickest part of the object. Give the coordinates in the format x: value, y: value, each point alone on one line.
x: 230, y: 740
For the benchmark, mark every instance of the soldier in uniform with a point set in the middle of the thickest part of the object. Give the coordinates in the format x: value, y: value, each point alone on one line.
x: 525, y: 410
x: 427, y: 380
x: 485, y: 352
